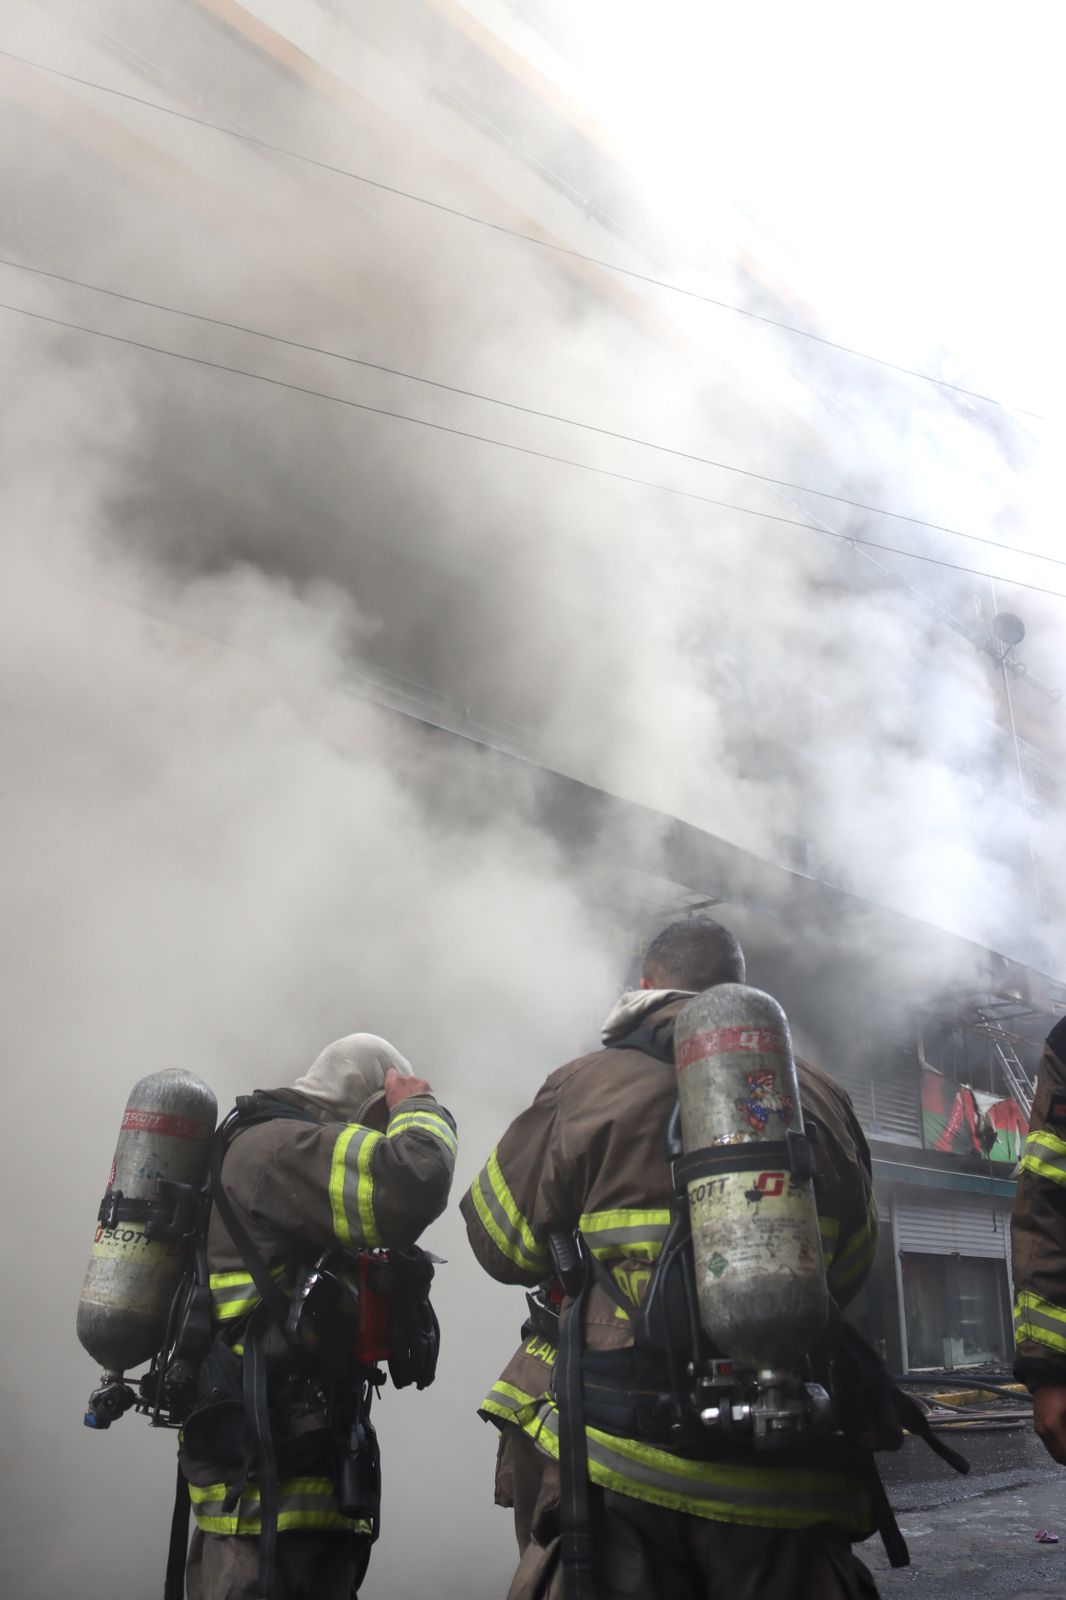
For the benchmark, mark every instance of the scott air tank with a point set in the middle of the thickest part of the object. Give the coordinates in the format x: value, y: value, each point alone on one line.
x: 760, y: 1276
x: 125, y: 1301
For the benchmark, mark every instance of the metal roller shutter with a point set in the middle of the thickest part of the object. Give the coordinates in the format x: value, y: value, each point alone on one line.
x: 965, y: 1225
x: 883, y: 1085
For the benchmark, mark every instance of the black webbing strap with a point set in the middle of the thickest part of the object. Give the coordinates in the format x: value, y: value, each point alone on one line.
x: 273, y: 1307
x: 575, y: 1535
x: 914, y: 1419
x: 269, y: 1293
x: 174, y: 1583
x: 257, y: 1414
x: 884, y: 1516
x: 574, y: 1530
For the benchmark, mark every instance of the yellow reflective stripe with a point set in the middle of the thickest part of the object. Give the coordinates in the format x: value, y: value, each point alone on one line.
x: 1043, y: 1169
x: 854, y: 1260
x: 503, y: 1242
x: 341, y: 1229
x: 511, y: 1405
x: 507, y: 1201
x: 429, y: 1122
x: 756, y: 1496
x: 227, y: 1280
x: 200, y: 1494
x: 302, y: 1503
x: 625, y: 1232
x: 1039, y: 1321
x: 366, y: 1189
x: 234, y: 1294
x: 351, y: 1185
x: 507, y: 1400
x: 1053, y: 1141
x: 501, y: 1220
x: 1045, y: 1154
x: 829, y: 1228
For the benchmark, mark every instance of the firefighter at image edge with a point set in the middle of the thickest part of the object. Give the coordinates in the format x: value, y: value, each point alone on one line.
x: 369, y: 1163
x: 591, y: 1153
x: 1038, y: 1248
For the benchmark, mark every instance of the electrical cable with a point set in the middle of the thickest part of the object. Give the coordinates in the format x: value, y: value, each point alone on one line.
x: 529, y: 411
x: 517, y: 233
x: 528, y: 450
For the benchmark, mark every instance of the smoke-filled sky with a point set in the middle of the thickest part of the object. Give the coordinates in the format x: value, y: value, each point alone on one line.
x: 217, y: 852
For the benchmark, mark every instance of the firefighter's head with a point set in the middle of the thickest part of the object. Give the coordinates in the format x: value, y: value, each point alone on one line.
x: 349, y: 1077
x: 695, y: 954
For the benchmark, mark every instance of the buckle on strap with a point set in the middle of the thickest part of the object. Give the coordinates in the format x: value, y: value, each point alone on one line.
x: 177, y: 1214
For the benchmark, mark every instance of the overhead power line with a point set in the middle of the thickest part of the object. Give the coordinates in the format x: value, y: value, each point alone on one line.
x: 527, y: 450
x: 529, y: 411
x: 516, y: 233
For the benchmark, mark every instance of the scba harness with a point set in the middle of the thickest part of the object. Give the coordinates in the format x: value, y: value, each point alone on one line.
x: 289, y: 1385
x: 670, y: 1389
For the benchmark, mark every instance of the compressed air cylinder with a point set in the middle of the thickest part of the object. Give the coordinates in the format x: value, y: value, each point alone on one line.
x: 125, y: 1301
x: 760, y: 1275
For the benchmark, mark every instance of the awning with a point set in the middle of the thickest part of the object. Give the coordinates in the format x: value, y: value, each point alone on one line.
x: 909, y: 1172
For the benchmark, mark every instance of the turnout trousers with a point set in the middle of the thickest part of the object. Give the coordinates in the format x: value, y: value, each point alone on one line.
x: 310, y: 1566
x: 644, y: 1552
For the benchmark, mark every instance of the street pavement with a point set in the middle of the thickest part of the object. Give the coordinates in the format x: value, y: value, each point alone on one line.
x: 972, y: 1538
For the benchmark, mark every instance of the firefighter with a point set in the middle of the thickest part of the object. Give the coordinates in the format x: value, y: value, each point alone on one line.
x: 1038, y: 1246
x: 364, y: 1159
x: 591, y: 1153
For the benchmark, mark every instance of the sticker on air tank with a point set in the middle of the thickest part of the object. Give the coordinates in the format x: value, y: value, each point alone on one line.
x: 126, y: 1242
x: 120, y: 1243
x: 765, y: 1100
x: 745, y: 1221
x: 730, y: 1041
x: 138, y: 1120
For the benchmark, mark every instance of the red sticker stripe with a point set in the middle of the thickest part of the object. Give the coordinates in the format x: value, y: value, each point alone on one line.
x: 170, y: 1127
x: 730, y: 1041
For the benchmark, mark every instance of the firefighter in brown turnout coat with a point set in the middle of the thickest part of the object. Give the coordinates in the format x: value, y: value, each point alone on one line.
x: 1038, y: 1245
x: 590, y: 1153
x: 364, y: 1159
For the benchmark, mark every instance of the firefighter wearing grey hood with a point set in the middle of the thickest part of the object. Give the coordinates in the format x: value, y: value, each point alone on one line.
x: 368, y: 1164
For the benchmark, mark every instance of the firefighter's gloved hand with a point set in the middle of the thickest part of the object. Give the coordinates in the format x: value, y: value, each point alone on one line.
x: 1049, y: 1419
x: 414, y: 1333
x: 398, y: 1088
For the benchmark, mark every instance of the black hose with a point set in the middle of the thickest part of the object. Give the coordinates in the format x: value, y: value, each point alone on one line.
x: 945, y: 1382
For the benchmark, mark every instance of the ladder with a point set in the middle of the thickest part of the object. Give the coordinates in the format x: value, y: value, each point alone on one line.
x: 1021, y: 1086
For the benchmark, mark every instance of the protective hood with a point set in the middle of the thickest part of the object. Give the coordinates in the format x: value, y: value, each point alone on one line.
x: 349, y: 1075
x: 635, y: 1008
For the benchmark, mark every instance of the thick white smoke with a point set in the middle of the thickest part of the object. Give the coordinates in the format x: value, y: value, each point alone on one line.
x: 216, y: 854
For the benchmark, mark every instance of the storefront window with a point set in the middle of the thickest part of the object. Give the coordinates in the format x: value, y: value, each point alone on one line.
x: 954, y: 1308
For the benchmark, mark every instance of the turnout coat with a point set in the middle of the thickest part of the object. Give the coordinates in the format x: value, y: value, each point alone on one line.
x: 1038, y: 1227
x: 301, y: 1188
x: 590, y: 1152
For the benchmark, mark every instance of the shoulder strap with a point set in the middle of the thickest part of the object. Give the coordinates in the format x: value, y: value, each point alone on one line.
x: 178, y: 1551
x: 249, y: 1111
x: 575, y: 1534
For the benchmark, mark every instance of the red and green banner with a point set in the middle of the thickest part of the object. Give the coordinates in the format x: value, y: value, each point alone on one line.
x: 961, y: 1121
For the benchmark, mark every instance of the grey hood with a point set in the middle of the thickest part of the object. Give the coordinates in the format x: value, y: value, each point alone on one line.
x: 349, y: 1076
x: 635, y: 1008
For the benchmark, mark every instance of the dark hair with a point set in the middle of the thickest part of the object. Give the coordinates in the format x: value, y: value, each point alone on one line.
x: 694, y: 954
